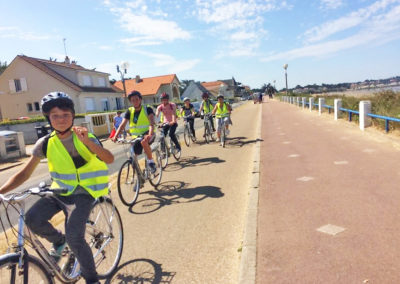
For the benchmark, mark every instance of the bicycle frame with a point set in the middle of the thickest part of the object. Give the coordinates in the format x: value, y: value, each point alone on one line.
x: 39, y: 248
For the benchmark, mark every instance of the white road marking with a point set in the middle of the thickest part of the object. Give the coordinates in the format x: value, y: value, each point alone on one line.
x: 340, y: 162
x: 294, y: 156
x: 282, y: 134
x: 330, y: 229
x: 368, y: 150
x: 305, y: 179
x: 287, y: 142
x: 344, y: 138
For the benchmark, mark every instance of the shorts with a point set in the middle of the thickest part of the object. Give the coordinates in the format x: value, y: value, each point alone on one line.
x: 137, y: 146
x: 220, y: 121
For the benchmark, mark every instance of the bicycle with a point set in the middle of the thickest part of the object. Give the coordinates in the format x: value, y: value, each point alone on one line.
x: 131, y: 178
x: 187, y: 133
x: 167, y: 148
x: 208, y: 133
x: 104, y: 234
x: 223, y: 135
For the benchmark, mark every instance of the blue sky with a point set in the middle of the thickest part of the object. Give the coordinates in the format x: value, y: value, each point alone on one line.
x: 322, y: 41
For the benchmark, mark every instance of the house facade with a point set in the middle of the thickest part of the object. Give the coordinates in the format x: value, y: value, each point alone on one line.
x: 194, y: 91
x: 152, y: 87
x: 216, y: 88
x: 26, y: 80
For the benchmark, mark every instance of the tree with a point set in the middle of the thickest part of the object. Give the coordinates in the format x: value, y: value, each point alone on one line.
x: 3, y: 66
x: 183, y: 85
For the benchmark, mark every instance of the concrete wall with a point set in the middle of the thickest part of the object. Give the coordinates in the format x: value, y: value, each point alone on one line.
x: 30, y: 136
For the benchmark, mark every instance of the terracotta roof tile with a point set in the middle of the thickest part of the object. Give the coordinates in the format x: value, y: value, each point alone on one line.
x: 146, y: 86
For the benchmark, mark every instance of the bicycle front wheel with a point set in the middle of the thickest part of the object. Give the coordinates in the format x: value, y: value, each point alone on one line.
x: 186, y: 136
x: 206, y: 133
x: 155, y: 178
x: 105, y: 236
x: 128, y: 183
x: 33, y: 270
x: 223, y: 136
x: 164, y: 153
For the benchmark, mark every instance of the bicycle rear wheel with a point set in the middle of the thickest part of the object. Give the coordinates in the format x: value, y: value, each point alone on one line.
x: 33, y: 271
x: 186, y: 136
x: 105, y: 236
x: 163, y: 153
x: 155, y: 178
x: 128, y: 183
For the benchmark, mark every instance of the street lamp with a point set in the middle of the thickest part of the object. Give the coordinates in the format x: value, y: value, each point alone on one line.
x: 124, y: 67
x: 285, y: 66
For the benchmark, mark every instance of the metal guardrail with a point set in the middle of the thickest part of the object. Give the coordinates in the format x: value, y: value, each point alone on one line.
x: 328, y: 107
x: 350, y: 111
x: 386, y: 118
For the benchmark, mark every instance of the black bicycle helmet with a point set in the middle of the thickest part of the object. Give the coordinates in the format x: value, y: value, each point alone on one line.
x: 220, y: 96
x: 134, y: 93
x: 204, y: 95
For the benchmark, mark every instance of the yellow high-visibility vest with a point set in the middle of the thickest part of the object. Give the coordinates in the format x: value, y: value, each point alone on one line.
x: 93, y: 176
x: 222, y: 112
x: 142, y: 124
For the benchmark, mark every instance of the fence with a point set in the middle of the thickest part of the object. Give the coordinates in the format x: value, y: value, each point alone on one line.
x: 364, y: 111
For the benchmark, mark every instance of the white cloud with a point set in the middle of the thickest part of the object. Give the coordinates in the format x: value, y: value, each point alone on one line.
x: 239, y: 22
x: 331, y: 4
x: 147, y: 27
x: 352, y: 20
x: 170, y: 63
x: 379, y: 30
x: 18, y: 33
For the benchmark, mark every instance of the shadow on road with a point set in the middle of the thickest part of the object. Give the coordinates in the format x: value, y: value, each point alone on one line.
x: 191, y: 161
x: 241, y: 141
x: 141, y: 271
x: 174, y: 192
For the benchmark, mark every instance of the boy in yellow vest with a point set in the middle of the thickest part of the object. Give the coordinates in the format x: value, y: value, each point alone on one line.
x: 77, y: 162
x: 222, y: 111
x: 141, y: 124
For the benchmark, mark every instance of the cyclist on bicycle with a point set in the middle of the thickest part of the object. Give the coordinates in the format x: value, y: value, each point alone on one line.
x: 188, y: 113
x: 168, y: 111
x: 141, y: 124
x: 77, y: 162
x: 206, y: 107
x: 222, y: 111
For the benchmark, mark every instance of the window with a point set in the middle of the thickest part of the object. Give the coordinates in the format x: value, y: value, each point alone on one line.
x: 105, y: 104
x: 86, y: 80
x: 37, y: 106
x: 17, y: 83
x: 118, y: 103
x: 29, y: 106
x: 102, y: 82
x: 90, y: 106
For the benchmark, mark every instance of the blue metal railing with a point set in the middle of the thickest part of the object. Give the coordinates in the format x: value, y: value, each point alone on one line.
x: 328, y: 107
x: 350, y: 111
x: 386, y: 118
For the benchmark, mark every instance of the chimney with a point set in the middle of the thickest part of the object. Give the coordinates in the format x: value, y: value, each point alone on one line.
x: 67, y: 60
x: 137, y: 79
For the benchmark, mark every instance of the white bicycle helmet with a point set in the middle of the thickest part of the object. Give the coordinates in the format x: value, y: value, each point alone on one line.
x: 186, y: 99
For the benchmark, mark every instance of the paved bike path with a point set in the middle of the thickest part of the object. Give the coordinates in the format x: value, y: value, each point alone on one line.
x: 328, y: 202
x: 190, y: 230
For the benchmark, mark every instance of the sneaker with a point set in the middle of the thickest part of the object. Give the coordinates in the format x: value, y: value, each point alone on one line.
x: 56, y: 251
x: 152, y: 166
x: 217, y: 140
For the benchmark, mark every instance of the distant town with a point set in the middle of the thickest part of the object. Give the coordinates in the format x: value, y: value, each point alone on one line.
x: 342, y: 87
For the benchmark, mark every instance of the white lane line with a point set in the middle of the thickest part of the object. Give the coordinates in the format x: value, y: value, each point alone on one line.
x: 344, y: 138
x: 282, y: 134
x: 330, y: 229
x: 368, y: 150
x: 287, y: 142
x: 305, y: 179
x: 294, y: 156
x: 340, y: 162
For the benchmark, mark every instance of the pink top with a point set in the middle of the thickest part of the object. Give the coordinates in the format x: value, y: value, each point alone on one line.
x: 167, y: 111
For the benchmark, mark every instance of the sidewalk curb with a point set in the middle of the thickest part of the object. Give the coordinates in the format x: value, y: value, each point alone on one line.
x: 248, y: 261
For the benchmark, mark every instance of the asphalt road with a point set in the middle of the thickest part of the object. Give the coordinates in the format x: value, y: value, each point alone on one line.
x: 328, y: 202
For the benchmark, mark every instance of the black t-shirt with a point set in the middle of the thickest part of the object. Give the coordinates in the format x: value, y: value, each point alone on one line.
x: 136, y: 115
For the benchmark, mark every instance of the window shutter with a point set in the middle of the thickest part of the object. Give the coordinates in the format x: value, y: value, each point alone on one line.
x: 24, y: 87
x: 12, y: 85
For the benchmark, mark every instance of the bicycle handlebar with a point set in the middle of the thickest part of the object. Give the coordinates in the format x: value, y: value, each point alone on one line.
x: 42, y: 189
